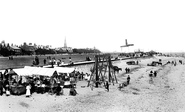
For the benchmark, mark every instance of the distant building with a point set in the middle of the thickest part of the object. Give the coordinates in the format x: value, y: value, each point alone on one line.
x: 28, y: 48
x: 151, y: 53
x: 139, y: 53
x: 15, y: 49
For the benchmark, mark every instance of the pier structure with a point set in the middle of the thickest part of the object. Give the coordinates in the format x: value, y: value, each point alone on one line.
x: 102, y: 70
x: 126, y: 45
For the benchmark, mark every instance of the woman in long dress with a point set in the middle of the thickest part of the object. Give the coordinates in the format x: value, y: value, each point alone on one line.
x: 28, y: 93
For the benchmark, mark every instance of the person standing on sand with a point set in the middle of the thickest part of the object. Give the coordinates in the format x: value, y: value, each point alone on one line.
x: 28, y: 93
x: 1, y: 87
x: 58, y: 90
x: 126, y: 70
x: 155, y: 73
x: 107, y: 86
x: 128, y: 80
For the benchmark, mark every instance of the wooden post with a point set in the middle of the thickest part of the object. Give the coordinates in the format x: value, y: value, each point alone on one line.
x: 96, y: 67
x: 109, y: 62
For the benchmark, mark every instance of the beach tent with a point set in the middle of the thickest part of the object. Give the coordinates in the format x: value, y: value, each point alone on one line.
x: 64, y: 69
x: 22, y: 72
x: 48, y: 71
x: 2, y: 71
x: 41, y: 71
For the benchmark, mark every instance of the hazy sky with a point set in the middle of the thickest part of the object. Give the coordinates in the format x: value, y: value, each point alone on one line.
x: 149, y: 24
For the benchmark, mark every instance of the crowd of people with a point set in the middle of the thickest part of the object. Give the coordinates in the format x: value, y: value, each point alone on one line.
x: 49, y: 60
x: 12, y: 84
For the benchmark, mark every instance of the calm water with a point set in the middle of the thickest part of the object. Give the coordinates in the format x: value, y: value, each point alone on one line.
x: 21, y: 61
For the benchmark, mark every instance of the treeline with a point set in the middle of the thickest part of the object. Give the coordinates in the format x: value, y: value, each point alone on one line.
x: 88, y: 50
x: 41, y: 51
x: 5, y: 51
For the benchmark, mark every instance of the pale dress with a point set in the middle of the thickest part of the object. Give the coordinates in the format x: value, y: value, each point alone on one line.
x: 28, y: 90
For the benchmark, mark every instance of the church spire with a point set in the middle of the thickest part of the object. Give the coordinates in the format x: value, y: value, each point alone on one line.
x: 65, y: 43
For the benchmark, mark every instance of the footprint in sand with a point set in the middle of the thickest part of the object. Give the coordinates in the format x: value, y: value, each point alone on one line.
x: 24, y: 104
x: 135, y: 93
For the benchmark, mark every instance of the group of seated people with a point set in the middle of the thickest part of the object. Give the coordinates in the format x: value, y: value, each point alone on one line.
x: 153, y: 74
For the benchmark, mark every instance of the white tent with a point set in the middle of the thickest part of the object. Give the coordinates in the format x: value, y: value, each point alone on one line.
x: 48, y: 71
x: 41, y: 71
x: 22, y: 72
x: 64, y: 69
x: 2, y: 71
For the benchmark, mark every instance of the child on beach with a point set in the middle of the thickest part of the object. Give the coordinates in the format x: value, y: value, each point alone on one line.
x: 28, y: 93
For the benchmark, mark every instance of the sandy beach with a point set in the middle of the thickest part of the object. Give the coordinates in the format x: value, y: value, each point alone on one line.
x: 165, y: 93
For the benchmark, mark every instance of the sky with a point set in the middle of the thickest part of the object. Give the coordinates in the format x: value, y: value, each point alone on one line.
x: 104, y: 24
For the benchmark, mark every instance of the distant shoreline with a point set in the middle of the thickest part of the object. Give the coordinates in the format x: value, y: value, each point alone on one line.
x: 26, y: 60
